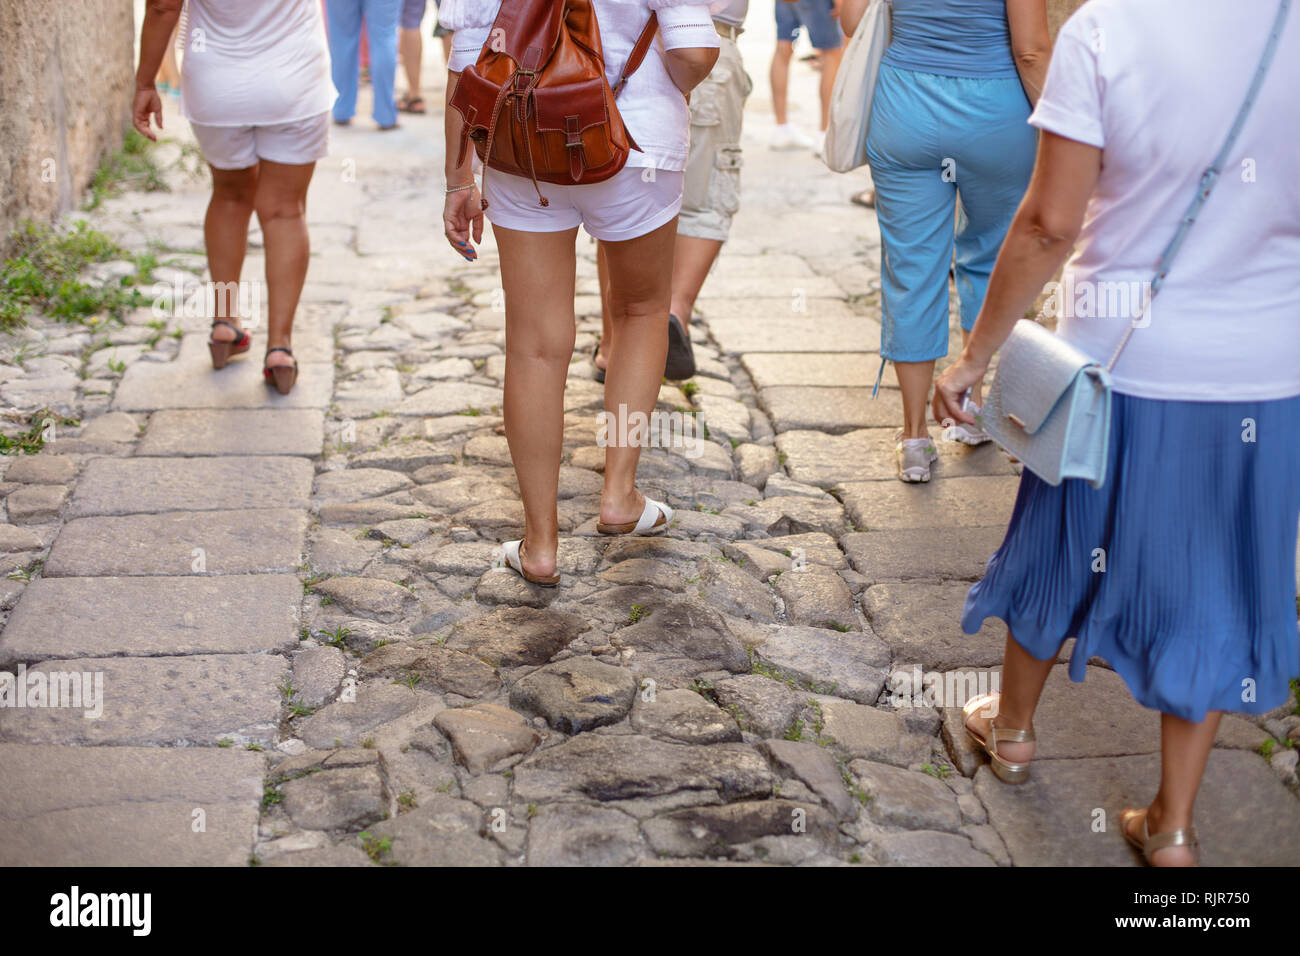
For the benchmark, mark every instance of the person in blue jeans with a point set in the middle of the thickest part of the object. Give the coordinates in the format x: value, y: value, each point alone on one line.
x: 819, y: 19
x: 344, y: 26
x: 949, y: 135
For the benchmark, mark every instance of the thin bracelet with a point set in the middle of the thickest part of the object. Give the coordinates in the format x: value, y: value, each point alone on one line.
x: 456, y: 189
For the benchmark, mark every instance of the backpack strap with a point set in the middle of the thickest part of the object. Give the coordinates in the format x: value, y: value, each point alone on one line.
x: 638, y: 53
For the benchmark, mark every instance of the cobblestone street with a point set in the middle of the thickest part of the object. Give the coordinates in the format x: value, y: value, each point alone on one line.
x: 305, y: 644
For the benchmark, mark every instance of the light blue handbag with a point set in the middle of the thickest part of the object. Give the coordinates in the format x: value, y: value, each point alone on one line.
x: 1049, y: 404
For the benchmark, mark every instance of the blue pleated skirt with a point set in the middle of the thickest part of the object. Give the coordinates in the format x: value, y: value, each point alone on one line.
x: 1180, y: 571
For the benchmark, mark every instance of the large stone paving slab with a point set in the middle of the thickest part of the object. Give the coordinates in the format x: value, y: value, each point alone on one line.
x: 834, y: 410
x: 868, y: 454
x: 1244, y: 815
x: 127, y: 806
x: 190, y: 382
x: 161, y: 701
x: 182, y: 542
x: 921, y: 623
x: 236, y: 431
x: 818, y: 369
x: 121, y: 486
x: 974, y: 502
x: 813, y: 331
x: 922, y: 553
x: 97, y: 617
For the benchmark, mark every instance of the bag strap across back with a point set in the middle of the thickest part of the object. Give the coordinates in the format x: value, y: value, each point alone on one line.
x: 1210, y: 176
x: 639, y: 50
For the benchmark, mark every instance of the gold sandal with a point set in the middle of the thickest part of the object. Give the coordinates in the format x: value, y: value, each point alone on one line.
x: 1153, y: 842
x: 1003, y: 769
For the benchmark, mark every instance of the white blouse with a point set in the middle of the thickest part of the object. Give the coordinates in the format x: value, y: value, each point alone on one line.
x: 652, y: 106
x: 255, y: 63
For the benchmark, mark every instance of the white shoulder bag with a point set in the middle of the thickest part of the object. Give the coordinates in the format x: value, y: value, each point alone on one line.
x: 855, y: 85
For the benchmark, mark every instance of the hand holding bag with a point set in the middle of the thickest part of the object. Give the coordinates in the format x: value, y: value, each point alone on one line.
x: 855, y: 85
x: 1049, y: 404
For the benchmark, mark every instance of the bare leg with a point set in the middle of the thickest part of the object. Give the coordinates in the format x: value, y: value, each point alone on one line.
x: 780, y: 78
x: 914, y: 380
x: 606, y: 318
x: 1023, y: 676
x: 640, y: 290
x: 538, y: 273
x: 225, y: 231
x: 412, y: 49
x: 692, y: 260
x: 282, y: 210
x: 830, y: 65
x: 1184, y: 751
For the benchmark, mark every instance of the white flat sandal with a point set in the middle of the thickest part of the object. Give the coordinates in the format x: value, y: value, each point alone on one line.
x: 654, y: 519
x: 510, y: 550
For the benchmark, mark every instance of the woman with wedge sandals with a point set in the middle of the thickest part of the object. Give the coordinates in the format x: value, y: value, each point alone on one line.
x: 1179, y: 571
x: 256, y: 90
x: 650, y: 69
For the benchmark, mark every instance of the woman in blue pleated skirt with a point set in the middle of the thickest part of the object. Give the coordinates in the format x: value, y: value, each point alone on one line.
x: 1180, y: 570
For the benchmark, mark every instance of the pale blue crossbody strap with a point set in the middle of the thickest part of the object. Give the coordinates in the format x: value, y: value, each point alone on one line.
x: 1210, y: 176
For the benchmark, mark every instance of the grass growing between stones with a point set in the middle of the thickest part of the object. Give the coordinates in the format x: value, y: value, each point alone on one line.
x: 42, y: 273
x: 27, y: 437
x: 135, y: 167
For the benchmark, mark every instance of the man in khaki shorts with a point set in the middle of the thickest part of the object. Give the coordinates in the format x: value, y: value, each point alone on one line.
x: 711, y: 193
x: 711, y: 189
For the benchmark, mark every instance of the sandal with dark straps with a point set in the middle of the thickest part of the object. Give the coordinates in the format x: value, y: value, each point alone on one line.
x: 282, y: 377
x: 600, y: 372
x: 412, y: 104
x: 223, y: 351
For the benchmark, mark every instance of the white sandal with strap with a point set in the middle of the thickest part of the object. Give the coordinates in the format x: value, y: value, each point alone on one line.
x: 510, y: 551
x: 654, y: 519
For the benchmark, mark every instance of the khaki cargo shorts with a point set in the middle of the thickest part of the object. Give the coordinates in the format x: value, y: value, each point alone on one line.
x: 711, y: 193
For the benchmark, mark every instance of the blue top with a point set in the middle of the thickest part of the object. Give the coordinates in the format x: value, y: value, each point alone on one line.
x: 951, y: 38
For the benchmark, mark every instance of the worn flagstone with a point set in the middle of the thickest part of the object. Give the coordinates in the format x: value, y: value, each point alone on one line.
x: 137, y: 616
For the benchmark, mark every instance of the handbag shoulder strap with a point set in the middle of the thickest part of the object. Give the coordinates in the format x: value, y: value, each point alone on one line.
x: 639, y: 51
x: 1209, y: 177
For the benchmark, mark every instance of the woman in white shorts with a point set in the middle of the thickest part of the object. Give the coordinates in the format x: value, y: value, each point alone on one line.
x: 256, y: 90
x: 633, y: 214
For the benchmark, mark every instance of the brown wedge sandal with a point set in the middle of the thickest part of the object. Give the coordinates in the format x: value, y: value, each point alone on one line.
x: 282, y: 377
x: 223, y: 351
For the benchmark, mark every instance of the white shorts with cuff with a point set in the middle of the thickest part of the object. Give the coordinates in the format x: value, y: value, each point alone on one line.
x: 634, y: 201
x: 239, y: 147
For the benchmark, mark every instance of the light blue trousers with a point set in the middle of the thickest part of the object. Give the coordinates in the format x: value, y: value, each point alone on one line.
x: 344, y: 23
x: 938, y: 144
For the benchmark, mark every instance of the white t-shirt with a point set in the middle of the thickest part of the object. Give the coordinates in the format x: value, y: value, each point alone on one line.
x: 1157, y: 84
x: 652, y: 107
x: 255, y: 63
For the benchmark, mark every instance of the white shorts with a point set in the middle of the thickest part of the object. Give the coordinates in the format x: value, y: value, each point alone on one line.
x: 239, y: 147
x: 634, y: 201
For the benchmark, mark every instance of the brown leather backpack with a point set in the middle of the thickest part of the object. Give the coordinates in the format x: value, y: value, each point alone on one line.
x: 537, y: 104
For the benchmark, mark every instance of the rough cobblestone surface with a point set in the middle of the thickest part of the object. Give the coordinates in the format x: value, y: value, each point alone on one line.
x: 299, y: 611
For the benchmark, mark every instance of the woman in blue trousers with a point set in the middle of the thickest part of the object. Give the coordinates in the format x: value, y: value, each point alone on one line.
x: 951, y: 153
x: 344, y: 28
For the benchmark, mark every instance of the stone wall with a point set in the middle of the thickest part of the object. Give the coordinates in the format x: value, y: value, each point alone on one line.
x: 66, y: 81
x: 1058, y: 11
